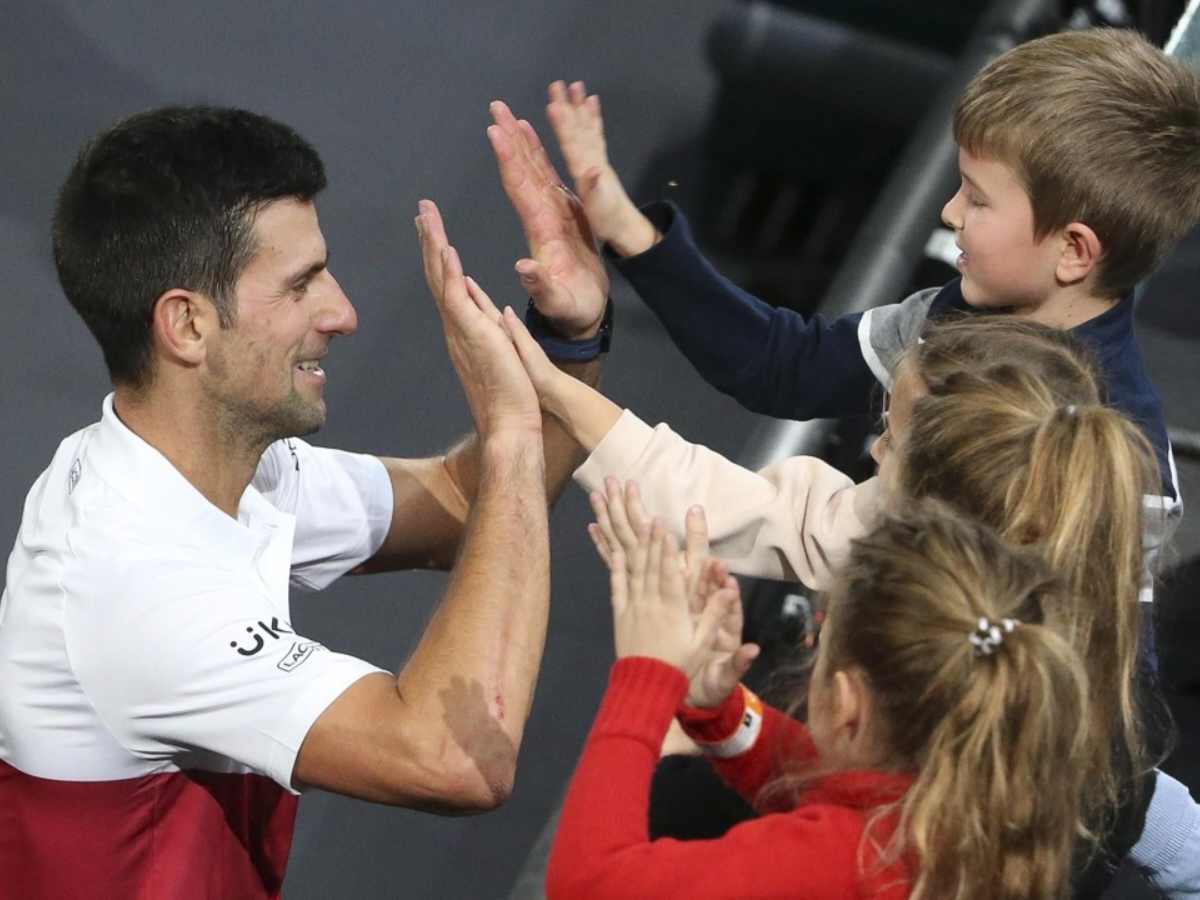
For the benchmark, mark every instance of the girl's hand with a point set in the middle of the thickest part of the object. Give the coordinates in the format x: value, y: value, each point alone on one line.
x: 546, y: 377
x: 622, y: 528
x: 650, y: 606
x: 727, y: 659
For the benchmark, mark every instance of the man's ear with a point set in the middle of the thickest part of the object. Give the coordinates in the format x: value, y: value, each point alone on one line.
x: 181, y: 324
x: 1081, y: 253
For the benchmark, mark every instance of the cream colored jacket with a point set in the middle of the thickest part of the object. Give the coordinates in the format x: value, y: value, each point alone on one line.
x: 792, y: 520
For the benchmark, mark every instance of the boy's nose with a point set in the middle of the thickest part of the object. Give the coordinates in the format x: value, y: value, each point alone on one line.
x: 950, y: 217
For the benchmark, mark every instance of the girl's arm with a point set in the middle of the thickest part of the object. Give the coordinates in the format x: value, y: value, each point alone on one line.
x: 792, y: 520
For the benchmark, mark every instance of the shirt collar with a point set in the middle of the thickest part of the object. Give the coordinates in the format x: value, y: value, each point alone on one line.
x: 167, y: 501
x: 860, y: 789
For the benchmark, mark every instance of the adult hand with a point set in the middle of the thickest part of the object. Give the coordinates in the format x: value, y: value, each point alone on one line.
x: 499, y: 393
x: 650, y: 606
x: 564, y: 273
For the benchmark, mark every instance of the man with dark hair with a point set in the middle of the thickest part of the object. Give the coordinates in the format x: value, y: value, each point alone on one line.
x: 159, y: 712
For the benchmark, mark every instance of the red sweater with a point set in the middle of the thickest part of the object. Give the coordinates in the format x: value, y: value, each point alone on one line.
x: 814, y: 851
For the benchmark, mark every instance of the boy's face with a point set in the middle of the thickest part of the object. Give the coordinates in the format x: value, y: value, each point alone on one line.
x: 1001, y: 263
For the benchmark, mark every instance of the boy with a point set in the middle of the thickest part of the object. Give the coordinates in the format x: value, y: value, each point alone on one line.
x: 1080, y: 164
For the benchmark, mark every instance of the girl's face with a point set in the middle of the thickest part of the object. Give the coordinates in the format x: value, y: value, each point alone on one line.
x: 888, y: 449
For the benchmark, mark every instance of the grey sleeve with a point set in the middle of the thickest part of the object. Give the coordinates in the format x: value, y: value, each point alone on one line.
x: 885, y: 332
x: 1169, y: 848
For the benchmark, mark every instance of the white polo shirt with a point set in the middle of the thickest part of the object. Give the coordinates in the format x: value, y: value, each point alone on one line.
x: 153, y: 693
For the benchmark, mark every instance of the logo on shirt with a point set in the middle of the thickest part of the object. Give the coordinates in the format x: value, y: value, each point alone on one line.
x: 297, y: 654
x: 260, y: 634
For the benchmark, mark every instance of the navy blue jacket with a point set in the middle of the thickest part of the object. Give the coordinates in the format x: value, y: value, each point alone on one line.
x: 776, y: 362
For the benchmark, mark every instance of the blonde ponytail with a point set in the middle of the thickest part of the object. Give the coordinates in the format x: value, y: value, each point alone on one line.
x: 994, y: 737
x: 1012, y: 430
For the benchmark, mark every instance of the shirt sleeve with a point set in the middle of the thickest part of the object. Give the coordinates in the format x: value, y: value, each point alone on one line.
x: 342, y: 503
x: 770, y: 359
x: 190, y: 677
x: 1169, y: 847
x: 792, y: 520
x: 602, y: 849
x: 781, y: 738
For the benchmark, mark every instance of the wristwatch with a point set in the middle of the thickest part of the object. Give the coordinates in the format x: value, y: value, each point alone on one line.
x: 563, y: 350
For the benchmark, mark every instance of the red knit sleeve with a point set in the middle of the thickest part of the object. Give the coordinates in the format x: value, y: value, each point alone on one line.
x: 782, y: 738
x: 602, y: 850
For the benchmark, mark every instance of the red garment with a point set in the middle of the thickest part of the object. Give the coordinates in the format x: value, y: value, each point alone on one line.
x: 182, y: 835
x: 814, y: 851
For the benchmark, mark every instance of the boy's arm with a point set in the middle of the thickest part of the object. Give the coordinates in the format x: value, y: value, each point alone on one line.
x: 770, y: 360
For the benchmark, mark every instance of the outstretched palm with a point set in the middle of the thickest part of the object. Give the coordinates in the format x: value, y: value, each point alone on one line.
x: 564, y: 273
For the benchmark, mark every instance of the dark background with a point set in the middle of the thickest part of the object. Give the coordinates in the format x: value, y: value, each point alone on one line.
x: 395, y: 97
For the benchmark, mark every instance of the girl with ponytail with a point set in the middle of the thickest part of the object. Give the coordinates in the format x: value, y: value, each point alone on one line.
x: 1000, y: 418
x: 943, y: 719
x: 1007, y: 424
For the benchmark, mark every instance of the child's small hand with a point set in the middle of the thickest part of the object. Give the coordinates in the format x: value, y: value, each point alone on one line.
x: 650, y: 606
x: 579, y: 127
x: 622, y: 526
x: 726, y: 659
x: 546, y: 377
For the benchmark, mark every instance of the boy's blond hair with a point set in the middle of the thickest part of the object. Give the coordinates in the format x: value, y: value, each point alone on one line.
x: 1102, y: 128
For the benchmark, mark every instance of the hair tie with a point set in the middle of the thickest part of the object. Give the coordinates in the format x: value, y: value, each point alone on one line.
x: 987, y: 637
x: 1072, y: 409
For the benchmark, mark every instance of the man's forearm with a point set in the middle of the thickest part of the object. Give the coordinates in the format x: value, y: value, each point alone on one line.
x: 563, y: 453
x: 478, y: 661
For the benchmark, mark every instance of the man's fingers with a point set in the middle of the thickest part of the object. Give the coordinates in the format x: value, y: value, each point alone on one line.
x: 537, y: 153
x: 503, y: 116
x: 479, y: 296
x: 432, y: 235
x: 539, y: 284
x: 577, y: 92
x: 557, y: 91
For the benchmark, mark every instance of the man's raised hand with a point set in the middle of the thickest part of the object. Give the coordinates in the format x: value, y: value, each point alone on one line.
x: 563, y: 273
x: 498, y: 390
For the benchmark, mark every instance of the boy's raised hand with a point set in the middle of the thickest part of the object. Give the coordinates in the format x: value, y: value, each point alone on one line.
x: 579, y: 128
x: 563, y: 273
x: 498, y: 390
